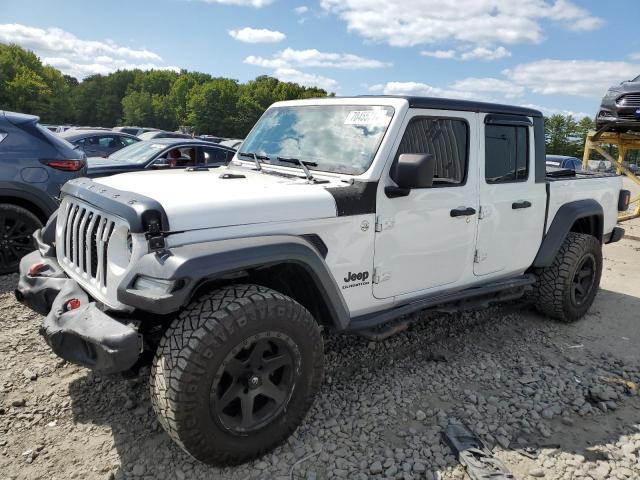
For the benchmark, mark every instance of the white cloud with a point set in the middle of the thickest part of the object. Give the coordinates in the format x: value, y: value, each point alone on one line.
x: 483, y: 89
x: 419, y: 89
x: 290, y: 58
x: 257, y: 35
x: 484, y: 53
x: 242, y: 3
x: 301, y: 10
x: 406, y: 23
x: 548, y: 111
x: 492, y: 87
x: 635, y: 56
x: 587, y: 78
x: 77, y: 57
x: 307, y: 79
x: 477, y: 53
x: 439, y: 54
x: 479, y: 89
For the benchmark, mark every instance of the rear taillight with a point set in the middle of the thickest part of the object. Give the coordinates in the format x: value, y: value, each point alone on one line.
x: 65, y: 165
x: 623, y: 200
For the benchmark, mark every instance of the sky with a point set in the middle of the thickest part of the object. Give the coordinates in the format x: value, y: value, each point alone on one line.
x: 559, y: 56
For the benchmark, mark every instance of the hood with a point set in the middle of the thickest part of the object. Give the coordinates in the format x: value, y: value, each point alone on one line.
x: 624, y: 87
x: 627, y: 87
x: 205, y: 199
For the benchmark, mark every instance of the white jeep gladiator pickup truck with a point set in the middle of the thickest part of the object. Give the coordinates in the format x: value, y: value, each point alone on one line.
x: 343, y: 214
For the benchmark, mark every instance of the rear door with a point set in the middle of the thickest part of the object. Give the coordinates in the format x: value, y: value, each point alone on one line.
x: 426, y: 240
x: 512, y: 204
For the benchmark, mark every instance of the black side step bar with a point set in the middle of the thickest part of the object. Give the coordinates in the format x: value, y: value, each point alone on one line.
x: 377, y: 318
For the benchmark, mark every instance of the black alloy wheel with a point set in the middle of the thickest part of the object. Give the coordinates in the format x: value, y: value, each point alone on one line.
x: 583, y: 279
x: 254, y: 382
x: 17, y: 225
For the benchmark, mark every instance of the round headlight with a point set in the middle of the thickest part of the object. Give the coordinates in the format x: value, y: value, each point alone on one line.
x: 120, y: 249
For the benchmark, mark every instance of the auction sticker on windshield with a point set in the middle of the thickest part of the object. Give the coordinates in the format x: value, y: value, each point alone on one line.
x: 365, y: 117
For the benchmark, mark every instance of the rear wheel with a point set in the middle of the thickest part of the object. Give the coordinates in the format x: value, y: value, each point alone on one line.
x: 566, y: 289
x: 236, y: 373
x: 17, y: 225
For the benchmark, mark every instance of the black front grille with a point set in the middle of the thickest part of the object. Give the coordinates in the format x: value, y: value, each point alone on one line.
x: 629, y: 100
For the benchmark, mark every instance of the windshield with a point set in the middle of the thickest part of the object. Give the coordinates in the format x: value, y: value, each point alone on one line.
x: 338, y: 138
x: 140, y: 152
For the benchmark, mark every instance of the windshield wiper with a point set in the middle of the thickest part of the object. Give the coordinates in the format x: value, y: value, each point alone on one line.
x: 303, y: 164
x: 256, y: 158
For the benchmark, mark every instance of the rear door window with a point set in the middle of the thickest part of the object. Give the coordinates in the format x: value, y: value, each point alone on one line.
x: 506, y: 153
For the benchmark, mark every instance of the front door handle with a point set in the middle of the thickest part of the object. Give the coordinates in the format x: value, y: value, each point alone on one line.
x: 521, y: 204
x: 462, y: 212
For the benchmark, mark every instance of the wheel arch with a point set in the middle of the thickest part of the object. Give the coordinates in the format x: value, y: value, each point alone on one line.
x: 26, y: 196
x: 580, y: 216
x: 285, y: 263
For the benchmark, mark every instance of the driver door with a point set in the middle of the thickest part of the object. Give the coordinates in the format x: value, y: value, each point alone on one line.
x: 421, y: 243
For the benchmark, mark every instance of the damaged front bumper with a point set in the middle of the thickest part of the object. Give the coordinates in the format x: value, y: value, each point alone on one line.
x: 84, y: 335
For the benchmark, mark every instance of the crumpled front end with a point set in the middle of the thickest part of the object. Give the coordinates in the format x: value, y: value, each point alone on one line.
x: 75, y: 327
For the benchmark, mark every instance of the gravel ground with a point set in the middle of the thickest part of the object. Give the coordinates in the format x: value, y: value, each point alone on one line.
x: 548, y: 398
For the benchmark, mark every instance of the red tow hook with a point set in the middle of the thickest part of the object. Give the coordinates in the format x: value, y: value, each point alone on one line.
x: 37, y: 268
x: 72, y: 304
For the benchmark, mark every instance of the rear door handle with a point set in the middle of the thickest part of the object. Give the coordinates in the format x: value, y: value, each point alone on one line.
x: 521, y: 204
x: 462, y: 212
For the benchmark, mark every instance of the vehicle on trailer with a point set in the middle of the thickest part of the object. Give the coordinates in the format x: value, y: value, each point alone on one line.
x: 564, y: 161
x: 161, y: 154
x: 99, y: 143
x: 620, y: 107
x: 344, y: 214
x: 35, y: 163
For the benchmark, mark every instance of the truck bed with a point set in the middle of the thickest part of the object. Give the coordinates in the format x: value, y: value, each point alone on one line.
x: 558, y: 174
x: 604, y: 188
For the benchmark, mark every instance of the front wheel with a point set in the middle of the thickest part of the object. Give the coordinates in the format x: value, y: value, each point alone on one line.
x: 566, y: 289
x: 236, y: 372
x: 17, y: 225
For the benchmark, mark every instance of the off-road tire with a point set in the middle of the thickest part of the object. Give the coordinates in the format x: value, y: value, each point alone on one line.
x: 552, y: 291
x: 17, y: 225
x: 197, y: 345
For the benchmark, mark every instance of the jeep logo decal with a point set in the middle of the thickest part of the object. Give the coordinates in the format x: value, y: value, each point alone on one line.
x: 356, y: 279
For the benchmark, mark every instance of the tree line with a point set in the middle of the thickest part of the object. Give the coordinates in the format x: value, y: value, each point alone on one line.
x: 157, y: 98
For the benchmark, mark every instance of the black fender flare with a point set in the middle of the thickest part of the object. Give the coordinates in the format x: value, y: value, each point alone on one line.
x: 191, y: 265
x: 561, y: 226
x: 31, y: 194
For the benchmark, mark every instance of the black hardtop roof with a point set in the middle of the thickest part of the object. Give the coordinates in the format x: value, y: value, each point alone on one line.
x: 437, y: 103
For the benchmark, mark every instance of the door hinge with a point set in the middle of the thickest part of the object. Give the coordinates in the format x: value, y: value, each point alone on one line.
x: 382, y: 224
x: 479, y: 256
x: 380, y: 276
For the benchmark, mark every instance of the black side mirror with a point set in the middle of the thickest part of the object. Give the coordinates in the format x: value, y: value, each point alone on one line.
x: 413, y: 170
